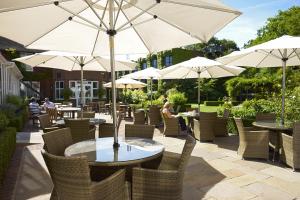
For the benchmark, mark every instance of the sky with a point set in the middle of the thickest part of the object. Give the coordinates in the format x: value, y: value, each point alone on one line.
x: 255, y: 15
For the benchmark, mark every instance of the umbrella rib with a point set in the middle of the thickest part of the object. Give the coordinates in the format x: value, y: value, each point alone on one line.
x: 119, y: 9
x: 266, y: 56
x: 294, y: 51
x: 94, y: 46
x: 137, y: 16
x: 137, y: 33
x: 45, y: 61
x: 80, y: 17
x: 173, y: 25
x: 135, y: 25
x: 56, y: 27
x: 97, y: 15
x: 224, y: 68
x: 74, y: 62
x: 204, y: 7
x: 297, y: 55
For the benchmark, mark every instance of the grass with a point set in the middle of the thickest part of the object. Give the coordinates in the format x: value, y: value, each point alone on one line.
x: 204, y: 108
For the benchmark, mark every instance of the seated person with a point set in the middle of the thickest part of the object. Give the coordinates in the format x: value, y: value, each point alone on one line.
x: 48, y: 104
x: 34, y: 107
x: 167, y: 113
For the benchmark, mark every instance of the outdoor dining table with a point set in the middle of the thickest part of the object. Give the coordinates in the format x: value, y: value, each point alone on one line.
x: 190, y: 116
x: 274, y: 128
x: 71, y: 110
x: 93, y: 121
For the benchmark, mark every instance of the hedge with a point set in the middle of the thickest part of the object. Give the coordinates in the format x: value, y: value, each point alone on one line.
x: 7, y: 148
x: 219, y: 103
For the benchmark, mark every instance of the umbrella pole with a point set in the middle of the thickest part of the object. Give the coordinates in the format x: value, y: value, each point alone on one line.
x: 81, y: 85
x: 151, y: 82
x: 125, y: 93
x: 284, y: 59
x: 198, y: 91
x: 111, y: 34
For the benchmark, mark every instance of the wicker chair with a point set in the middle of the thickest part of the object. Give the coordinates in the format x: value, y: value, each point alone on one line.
x: 154, y: 116
x: 204, y: 128
x: 80, y: 129
x: 220, y: 127
x: 164, y: 183
x: 101, y: 107
x: 139, y: 117
x: 171, y: 126
x: 46, y: 124
x: 86, y: 114
x: 138, y: 130
x: 72, y: 181
x: 290, y: 153
x: 107, y: 129
x: 53, y: 114
x: 57, y: 141
x: 253, y: 143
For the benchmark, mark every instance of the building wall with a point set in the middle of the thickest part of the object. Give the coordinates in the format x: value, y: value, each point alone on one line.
x: 10, y: 77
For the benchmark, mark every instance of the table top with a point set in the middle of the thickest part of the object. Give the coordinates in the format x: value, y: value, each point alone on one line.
x: 276, y: 126
x: 189, y: 114
x: 100, y: 151
x: 93, y: 121
x: 66, y: 109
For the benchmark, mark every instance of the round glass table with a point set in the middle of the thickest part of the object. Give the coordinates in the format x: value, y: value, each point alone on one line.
x: 71, y: 110
x: 132, y: 151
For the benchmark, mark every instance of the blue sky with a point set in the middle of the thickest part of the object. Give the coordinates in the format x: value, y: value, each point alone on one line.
x: 255, y: 15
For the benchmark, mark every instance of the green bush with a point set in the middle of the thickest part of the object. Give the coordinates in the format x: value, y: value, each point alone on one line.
x: 9, y: 110
x: 138, y: 96
x: 3, y: 121
x: 7, y: 148
x: 15, y: 100
x: 16, y: 122
x: 67, y: 93
x: 176, y: 98
x: 213, y: 103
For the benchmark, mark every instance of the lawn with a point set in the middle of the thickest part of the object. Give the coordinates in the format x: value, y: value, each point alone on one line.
x: 204, y: 108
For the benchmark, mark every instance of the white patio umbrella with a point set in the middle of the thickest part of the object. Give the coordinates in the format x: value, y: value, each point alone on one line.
x: 126, y: 83
x: 200, y: 67
x: 73, y: 62
x: 283, y: 51
x: 94, y: 26
x: 149, y: 73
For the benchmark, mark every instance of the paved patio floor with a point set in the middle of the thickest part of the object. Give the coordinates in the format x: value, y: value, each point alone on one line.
x: 214, y: 171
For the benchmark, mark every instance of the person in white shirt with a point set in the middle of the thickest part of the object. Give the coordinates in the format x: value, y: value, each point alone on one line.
x: 34, y: 107
x: 48, y: 104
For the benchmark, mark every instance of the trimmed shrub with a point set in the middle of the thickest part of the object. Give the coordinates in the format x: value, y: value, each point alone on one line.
x: 15, y: 100
x: 176, y: 98
x: 16, y: 122
x: 213, y: 103
x: 3, y: 121
x: 7, y: 148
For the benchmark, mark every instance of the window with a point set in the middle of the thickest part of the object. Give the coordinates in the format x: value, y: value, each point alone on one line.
x: 144, y: 66
x: 168, y: 61
x: 154, y: 63
x: 59, y: 87
x: 95, y: 89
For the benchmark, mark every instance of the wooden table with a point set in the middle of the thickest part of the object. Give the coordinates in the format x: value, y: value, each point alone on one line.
x: 274, y: 128
x: 71, y: 110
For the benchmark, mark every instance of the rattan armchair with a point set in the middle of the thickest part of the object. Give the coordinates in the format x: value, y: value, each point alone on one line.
x: 171, y: 126
x: 139, y: 117
x: 80, y: 129
x: 252, y: 143
x: 72, y: 181
x: 138, y: 130
x: 154, y: 115
x: 220, y: 128
x: 53, y: 114
x: 164, y: 183
x: 107, y: 129
x: 204, y: 128
x: 46, y: 124
x: 86, y: 114
x: 57, y: 141
x: 270, y: 117
x: 290, y: 152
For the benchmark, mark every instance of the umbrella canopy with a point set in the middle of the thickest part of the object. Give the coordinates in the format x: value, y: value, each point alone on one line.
x: 94, y: 26
x: 200, y: 67
x: 149, y: 73
x: 73, y: 62
x: 283, y: 51
x: 126, y: 83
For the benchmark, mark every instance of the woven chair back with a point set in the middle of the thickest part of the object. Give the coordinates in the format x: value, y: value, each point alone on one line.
x: 138, y: 130
x: 270, y: 117
x: 45, y: 121
x: 189, y: 145
x: 240, y: 128
x: 70, y: 176
x: 57, y: 141
x: 154, y: 115
x: 106, y: 130
x: 139, y: 117
x: 79, y: 129
x: 52, y: 112
x: 296, y: 139
x: 207, y: 121
x: 86, y: 114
